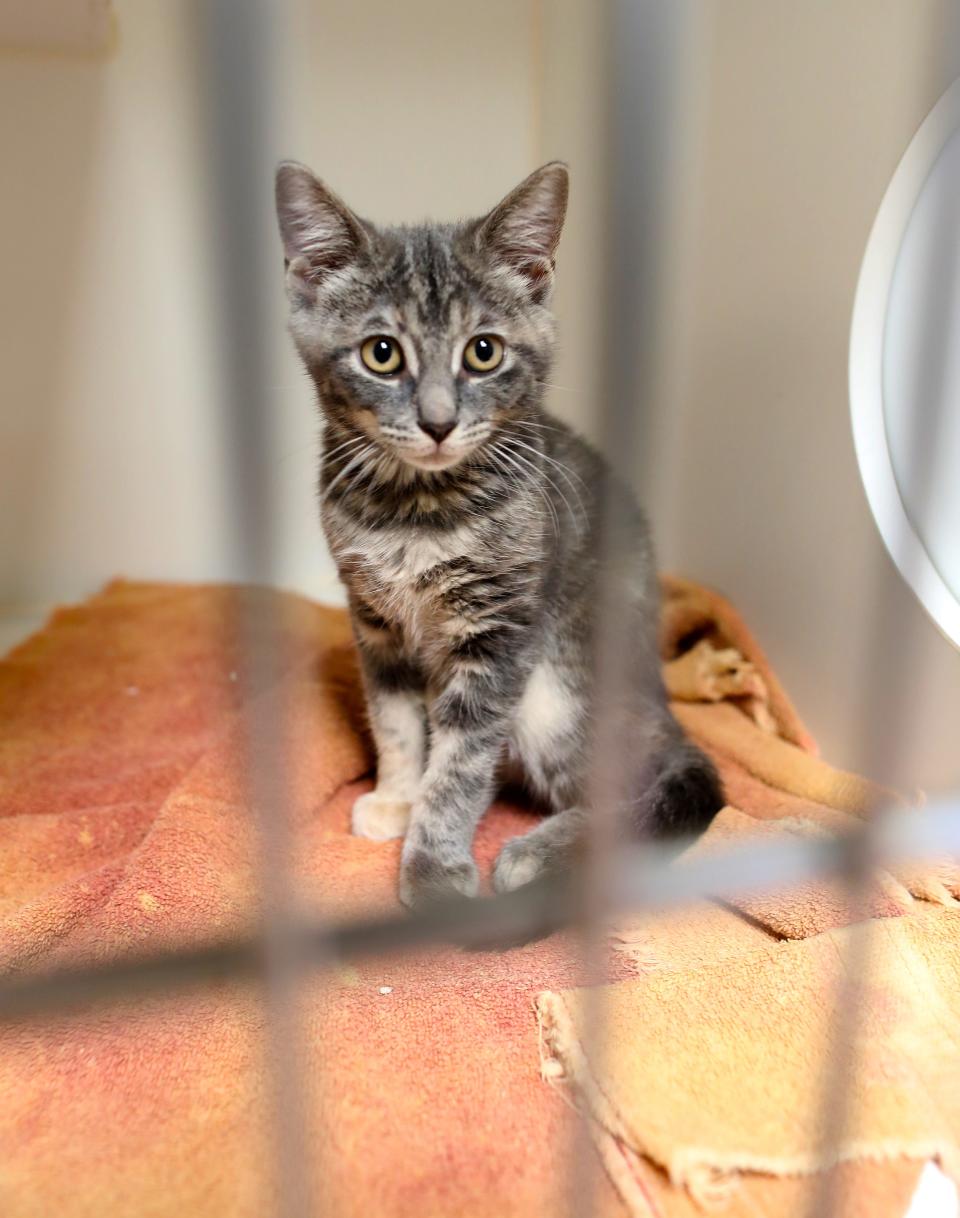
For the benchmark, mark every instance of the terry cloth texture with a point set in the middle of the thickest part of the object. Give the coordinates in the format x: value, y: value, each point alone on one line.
x: 709, y: 1072
x: 126, y: 826
x: 770, y: 769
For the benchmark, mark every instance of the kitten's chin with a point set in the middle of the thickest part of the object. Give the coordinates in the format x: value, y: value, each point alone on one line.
x: 433, y: 461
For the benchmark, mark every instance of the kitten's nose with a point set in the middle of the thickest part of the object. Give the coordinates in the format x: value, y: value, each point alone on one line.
x: 436, y: 409
x: 438, y: 430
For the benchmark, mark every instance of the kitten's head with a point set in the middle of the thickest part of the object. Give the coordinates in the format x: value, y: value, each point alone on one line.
x: 427, y: 339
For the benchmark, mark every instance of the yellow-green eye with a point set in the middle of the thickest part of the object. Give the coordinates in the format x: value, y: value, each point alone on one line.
x: 382, y: 355
x: 483, y: 353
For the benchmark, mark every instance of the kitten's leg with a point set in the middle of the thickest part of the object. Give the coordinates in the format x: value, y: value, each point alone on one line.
x: 469, y: 721
x: 395, y: 708
x: 549, y: 735
x: 397, y: 723
x: 473, y: 699
x: 550, y: 848
x: 677, y: 794
x: 457, y: 789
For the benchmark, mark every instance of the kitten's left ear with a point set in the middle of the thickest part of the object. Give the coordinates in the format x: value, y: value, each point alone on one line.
x: 523, y: 231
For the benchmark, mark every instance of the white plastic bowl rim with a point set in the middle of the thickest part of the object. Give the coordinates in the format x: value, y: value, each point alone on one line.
x: 903, y: 543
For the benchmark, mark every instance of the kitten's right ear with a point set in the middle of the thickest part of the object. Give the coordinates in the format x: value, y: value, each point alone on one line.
x: 320, y: 233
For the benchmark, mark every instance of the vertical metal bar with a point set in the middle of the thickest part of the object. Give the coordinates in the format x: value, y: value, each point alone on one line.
x: 235, y: 60
x: 645, y: 43
x: 885, y: 700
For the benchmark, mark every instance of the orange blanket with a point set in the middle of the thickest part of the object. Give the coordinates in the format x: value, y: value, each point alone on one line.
x: 123, y: 827
x: 708, y: 1071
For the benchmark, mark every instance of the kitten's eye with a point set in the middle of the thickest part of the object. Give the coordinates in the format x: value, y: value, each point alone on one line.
x: 483, y: 353
x: 382, y: 355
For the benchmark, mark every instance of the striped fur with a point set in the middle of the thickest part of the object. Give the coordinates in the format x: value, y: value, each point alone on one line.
x: 470, y: 562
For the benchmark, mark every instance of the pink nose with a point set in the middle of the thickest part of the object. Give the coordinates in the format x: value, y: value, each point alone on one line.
x: 438, y: 431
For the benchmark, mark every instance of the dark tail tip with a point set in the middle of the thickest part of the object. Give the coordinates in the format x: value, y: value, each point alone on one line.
x: 685, y: 795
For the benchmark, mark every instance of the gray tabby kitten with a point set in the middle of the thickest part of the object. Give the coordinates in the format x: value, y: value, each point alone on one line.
x: 464, y: 523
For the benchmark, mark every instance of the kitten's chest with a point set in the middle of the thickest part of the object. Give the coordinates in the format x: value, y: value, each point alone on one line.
x: 405, y: 575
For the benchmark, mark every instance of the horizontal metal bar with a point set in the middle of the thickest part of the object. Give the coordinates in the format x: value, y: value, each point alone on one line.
x: 645, y: 877
x: 471, y: 923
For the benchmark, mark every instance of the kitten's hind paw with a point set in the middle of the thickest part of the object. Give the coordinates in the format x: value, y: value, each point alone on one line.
x: 380, y: 817
x: 517, y: 864
x: 425, y: 879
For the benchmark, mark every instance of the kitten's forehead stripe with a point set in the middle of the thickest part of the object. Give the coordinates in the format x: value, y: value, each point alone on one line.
x: 427, y: 275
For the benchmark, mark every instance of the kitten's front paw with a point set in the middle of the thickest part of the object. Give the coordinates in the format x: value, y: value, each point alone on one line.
x: 379, y: 817
x: 519, y: 862
x: 424, y: 878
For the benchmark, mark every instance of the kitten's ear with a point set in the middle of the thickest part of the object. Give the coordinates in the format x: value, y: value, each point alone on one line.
x: 320, y: 233
x: 523, y: 231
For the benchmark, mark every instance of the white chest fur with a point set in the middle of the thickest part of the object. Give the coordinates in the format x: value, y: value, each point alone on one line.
x: 390, y: 569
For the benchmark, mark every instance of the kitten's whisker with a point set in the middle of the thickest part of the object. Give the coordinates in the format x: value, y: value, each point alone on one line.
x: 554, y: 385
x: 377, y: 469
x: 514, y: 484
x: 398, y: 433
x: 289, y: 453
x: 515, y: 460
x: 550, y: 482
x: 351, y: 464
x: 539, y: 426
x: 314, y: 444
x: 351, y: 443
x: 577, y: 524
x: 567, y: 473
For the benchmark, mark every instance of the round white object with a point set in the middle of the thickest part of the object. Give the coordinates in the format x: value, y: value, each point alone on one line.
x: 905, y: 366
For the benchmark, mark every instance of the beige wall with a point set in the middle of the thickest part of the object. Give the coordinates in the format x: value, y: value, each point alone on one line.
x: 108, y: 450
x: 808, y: 110
x: 110, y: 455
x: 110, y: 432
x: 804, y: 111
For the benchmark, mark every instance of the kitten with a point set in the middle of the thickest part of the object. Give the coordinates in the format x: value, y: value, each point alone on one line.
x: 463, y: 520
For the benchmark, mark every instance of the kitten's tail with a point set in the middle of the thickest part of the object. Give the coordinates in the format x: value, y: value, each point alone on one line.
x: 682, y: 795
